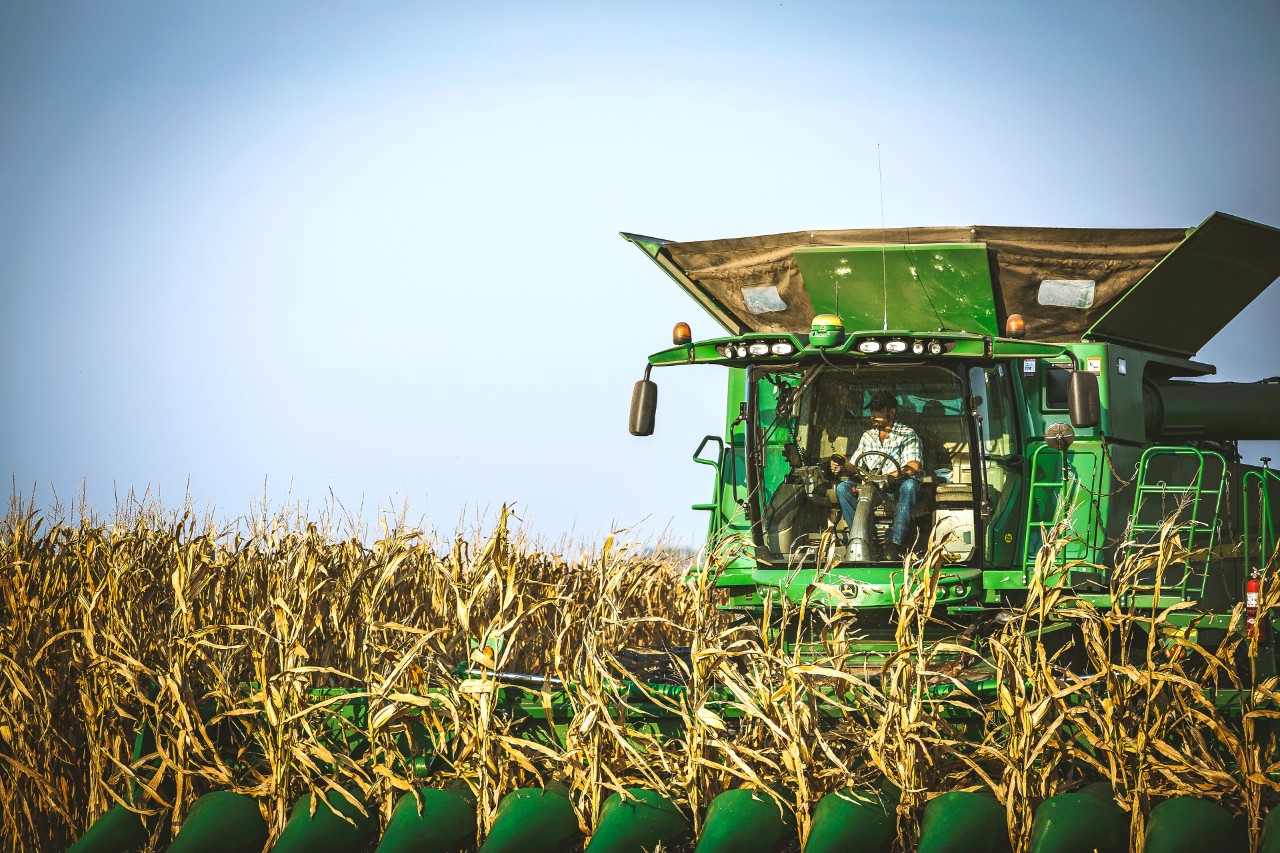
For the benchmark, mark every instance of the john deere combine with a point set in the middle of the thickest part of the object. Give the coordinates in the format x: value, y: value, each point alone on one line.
x: 1061, y: 428
x: 1047, y: 375
x: 930, y: 434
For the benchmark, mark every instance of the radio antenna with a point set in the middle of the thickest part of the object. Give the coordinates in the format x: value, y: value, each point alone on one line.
x: 884, y: 263
x: 838, y: 297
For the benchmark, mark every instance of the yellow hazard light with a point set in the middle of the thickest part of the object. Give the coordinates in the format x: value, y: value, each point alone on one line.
x: 681, y: 334
x: 1015, y: 326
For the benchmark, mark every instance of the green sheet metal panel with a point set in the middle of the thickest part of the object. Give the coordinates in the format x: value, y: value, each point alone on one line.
x: 1187, y: 824
x: 1270, y: 841
x: 431, y: 820
x: 118, y: 830
x: 643, y: 821
x: 854, y: 821
x: 927, y: 287
x: 222, y: 822
x: 963, y: 822
x: 1199, y: 287
x: 745, y: 821
x: 338, y: 826
x: 1071, y: 822
x: 533, y: 820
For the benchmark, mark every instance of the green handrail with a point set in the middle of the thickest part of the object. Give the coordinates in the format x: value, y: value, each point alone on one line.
x: 1266, y: 521
x: 1195, y: 491
x: 717, y: 519
x: 1067, y: 484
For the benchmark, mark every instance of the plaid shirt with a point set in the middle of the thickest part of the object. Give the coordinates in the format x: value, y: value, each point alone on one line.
x: 902, y: 444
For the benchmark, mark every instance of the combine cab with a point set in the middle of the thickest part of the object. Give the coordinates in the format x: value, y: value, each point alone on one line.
x: 1063, y: 426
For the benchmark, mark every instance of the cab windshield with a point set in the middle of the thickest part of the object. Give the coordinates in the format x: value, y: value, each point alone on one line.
x: 804, y: 416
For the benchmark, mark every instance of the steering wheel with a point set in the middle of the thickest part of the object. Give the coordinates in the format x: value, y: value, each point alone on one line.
x: 864, y: 470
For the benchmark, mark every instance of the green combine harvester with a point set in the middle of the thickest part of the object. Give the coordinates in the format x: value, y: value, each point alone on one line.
x: 1022, y: 404
x: 1047, y: 374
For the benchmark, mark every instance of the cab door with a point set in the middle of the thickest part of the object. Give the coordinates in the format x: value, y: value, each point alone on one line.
x: 1001, y: 461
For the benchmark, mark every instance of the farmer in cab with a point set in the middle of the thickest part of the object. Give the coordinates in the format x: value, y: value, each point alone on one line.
x: 881, y: 450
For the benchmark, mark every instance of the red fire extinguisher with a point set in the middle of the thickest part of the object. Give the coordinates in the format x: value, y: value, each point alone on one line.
x: 1252, y: 594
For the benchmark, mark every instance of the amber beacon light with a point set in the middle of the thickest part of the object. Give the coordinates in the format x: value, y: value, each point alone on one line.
x: 681, y: 334
x: 1015, y: 326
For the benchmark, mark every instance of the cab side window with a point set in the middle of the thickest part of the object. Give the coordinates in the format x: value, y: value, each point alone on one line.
x: 1057, y: 379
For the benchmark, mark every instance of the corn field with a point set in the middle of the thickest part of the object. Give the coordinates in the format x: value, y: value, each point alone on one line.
x: 241, y: 650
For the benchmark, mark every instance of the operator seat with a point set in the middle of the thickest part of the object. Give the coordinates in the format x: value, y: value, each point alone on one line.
x: 936, y: 457
x: 930, y: 448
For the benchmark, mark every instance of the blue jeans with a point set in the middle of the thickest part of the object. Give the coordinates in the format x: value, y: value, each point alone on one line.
x: 908, y: 492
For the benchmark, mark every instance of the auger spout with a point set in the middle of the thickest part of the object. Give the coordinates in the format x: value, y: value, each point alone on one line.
x: 1228, y: 411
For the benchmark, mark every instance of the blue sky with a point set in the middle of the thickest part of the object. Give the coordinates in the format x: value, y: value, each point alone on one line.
x: 371, y: 250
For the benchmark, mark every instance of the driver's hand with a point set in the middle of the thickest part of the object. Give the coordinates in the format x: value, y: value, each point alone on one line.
x: 835, y: 466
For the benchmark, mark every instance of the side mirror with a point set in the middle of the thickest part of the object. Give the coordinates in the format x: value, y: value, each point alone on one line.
x: 1083, y: 399
x: 644, y: 406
